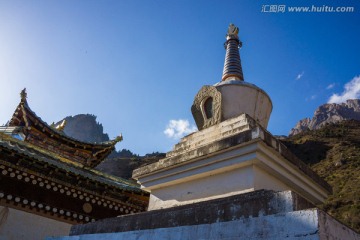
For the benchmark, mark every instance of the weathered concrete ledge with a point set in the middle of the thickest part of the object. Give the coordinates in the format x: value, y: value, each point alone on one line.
x: 214, y: 133
x: 309, y: 224
x: 248, y: 205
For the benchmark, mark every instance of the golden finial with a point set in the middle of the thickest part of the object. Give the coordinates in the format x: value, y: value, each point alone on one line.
x: 232, y: 30
x: 61, y: 126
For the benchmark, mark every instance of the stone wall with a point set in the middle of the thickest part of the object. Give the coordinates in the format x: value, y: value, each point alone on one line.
x: 255, y: 215
x: 309, y: 224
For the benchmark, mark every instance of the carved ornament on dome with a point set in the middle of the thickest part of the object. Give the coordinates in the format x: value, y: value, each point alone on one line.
x: 198, y: 108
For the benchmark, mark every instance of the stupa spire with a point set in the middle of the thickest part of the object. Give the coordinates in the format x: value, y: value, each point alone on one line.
x: 232, y: 66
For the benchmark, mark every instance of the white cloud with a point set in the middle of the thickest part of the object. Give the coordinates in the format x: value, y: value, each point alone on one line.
x: 313, y: 97
x: 299, y: 75
x: 330, y: 86
x: 351, y: 91
x: 178, y: 128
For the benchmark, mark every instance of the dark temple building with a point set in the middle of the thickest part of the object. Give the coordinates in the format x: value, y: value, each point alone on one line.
x: 48, y: 182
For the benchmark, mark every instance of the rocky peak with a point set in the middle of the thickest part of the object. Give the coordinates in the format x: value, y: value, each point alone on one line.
x: 301, y: 126
x: 84, y: 127
x: 329, y: 113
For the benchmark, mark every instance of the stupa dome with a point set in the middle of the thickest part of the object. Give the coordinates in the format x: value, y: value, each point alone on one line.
x: 232, y: 96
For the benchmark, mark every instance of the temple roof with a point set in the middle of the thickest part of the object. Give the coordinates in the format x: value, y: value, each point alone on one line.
x: 45, y: 172
x: 42, y: 182
x: 49, y: 158
x: 53, y: 139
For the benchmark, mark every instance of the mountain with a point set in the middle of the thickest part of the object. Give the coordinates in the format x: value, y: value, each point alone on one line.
x: 123, y: 166
x: 84, y: 127
x: 329, y: 113
x: 333, y: 151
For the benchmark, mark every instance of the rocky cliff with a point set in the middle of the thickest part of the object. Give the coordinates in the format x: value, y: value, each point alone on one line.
x: 84, y: 127
x: 329, y: 113
x: 123, y: 166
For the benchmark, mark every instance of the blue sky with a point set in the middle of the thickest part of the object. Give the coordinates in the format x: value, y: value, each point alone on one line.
x: 137, y: 65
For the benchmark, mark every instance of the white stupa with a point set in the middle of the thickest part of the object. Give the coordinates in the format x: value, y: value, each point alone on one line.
x: 232, y: 153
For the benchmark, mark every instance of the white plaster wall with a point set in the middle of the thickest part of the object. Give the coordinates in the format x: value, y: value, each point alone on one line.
x: 18, y: 225
x: 237, y: 99
x: 264, y: 180
x: 199, y: 168
x: 290, y: 175
x: 239, y: 180
x: 249, y: 167
x: 299, y: 225
x: 227, y: 183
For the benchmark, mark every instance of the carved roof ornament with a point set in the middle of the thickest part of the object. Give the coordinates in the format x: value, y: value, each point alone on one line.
x: 118, y: 138
x: 232, y: 66
x: 61, y: 126
x: 23, y: 95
